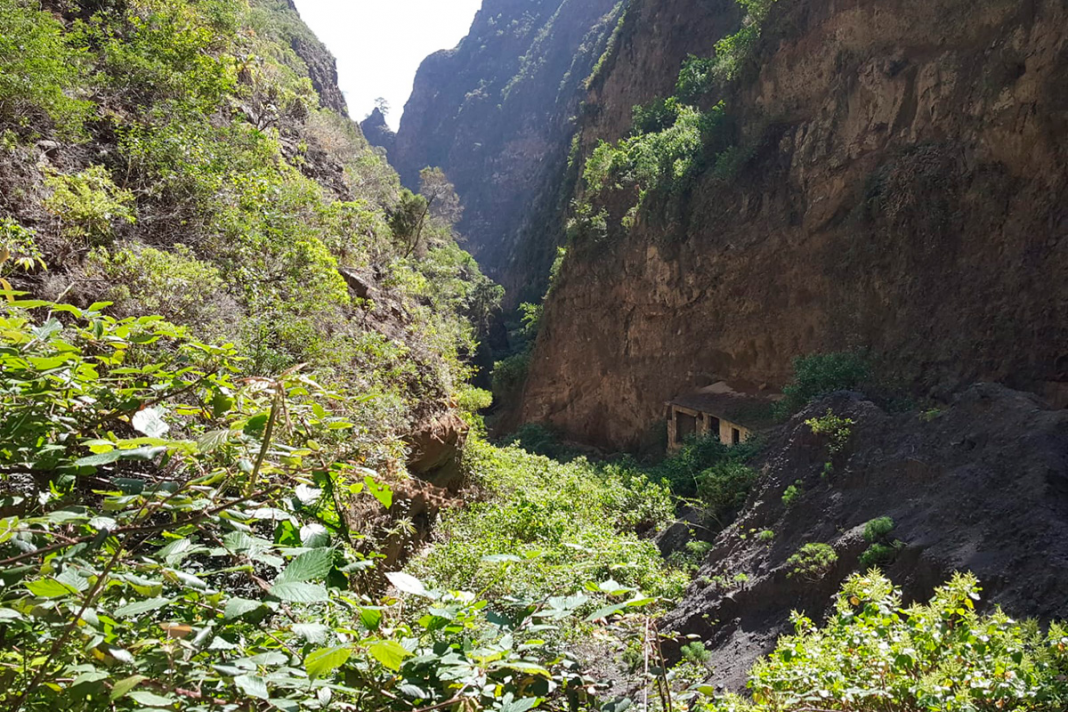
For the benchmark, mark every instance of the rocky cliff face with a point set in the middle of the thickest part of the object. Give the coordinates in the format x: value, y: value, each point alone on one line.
x: 496, y: 114
x: 322, y: 67
x: 377, y: 131
x: 906, y: 193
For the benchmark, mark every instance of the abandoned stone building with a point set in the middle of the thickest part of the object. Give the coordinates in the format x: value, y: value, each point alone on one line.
x: 719, y: 410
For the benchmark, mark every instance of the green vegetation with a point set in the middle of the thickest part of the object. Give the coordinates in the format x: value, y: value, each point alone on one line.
x: 812, y: 561
x: 40, y: 72
x: 766, y: 536
x: 836, y: 430
x: 875, y: 655
x: 793, y: 493
x: 194, y: 539
x: 673, y: 140
x: 709, y: 463
x: 819, y: 374
x: 734, y: 51
x: 881, y: 550
x: 546, y: 525
x: 88, y: 204
x: 671, y: 145
x: 691, y: 556
x: 878, y: 528
x: 212, y: 205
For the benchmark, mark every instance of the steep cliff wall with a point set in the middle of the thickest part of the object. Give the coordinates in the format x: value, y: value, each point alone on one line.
x: 906, y: 193
x: 496, y: 114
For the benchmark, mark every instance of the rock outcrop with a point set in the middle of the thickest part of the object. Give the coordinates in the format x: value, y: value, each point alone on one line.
x: 905, y: 193
x: 496, y: 114
x: 322, y: 67
x: 377, y: 131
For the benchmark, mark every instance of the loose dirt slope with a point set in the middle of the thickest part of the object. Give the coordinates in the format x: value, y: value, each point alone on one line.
x: 982, y: 487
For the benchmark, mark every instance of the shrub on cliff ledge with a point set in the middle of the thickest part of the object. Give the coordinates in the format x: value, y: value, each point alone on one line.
x: 816, y: 375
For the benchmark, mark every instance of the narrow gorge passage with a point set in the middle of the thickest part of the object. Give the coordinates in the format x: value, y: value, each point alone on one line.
x: 658, y: 355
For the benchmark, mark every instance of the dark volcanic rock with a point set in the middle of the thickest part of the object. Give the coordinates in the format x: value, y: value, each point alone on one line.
x: 980, y: 487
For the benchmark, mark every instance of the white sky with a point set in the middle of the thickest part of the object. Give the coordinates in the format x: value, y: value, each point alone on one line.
x: 380, y: 43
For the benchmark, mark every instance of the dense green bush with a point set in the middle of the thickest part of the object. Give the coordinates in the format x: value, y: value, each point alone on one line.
x: 812, y: 561
x: 816, y: 375
x: 723, y: 488
x: 509, y: 376
x: 735, y: 50
x: 175, y: 285
x: 88, y: 204
x: 873, y: 655
x: 662, y: 162
x: 698, y: 459
x: 179, y: 534
x: 878, y: 528
x: 881, y: 550
x: 39, y: 72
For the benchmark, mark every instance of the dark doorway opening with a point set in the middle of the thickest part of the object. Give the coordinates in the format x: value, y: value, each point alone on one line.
x: 685, y: 426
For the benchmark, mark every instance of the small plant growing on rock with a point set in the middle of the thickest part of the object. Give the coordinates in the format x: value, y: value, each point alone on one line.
x: 696, y: 652
x: 881, y: 551
x: 792, y: 493
x: 838, y: 430
x: 766, y: 536
x: 878, y: 528
x: 812, y: 561
x: 691, y: 557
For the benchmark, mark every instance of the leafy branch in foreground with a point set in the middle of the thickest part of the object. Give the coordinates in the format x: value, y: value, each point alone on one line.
x: 163, y: 546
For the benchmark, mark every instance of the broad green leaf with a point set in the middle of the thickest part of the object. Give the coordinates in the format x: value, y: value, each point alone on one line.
x: 390, y: 653
x: 213, y: 440
x: 325, y: 660
x: 310, y: 565
x: 150, y: 422
x: 237, y: 607
x: 101, y: 458
x: 50, y: 588
x: 314, y: 535
x: 371, y: 618
x: 311, y: 632
x: 136, y: 609
x: 521, y: 705
x: 381, y: 491
x: 252, y: 685
x: 407, y: 583
x: 125, y: 685
x: 606, y: 611
x: 7, y: 528
x: 524, y: 666
x: 151, y: 699
x: 297, y: 592
x: 175, y: 547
